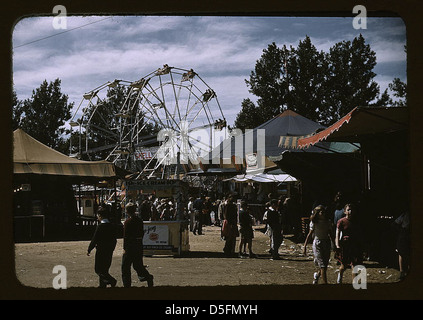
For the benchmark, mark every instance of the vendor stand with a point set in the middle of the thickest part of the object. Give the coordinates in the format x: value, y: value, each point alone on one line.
x: 164, y: 237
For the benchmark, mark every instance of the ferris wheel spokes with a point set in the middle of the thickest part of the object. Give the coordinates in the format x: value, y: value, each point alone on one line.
x: 168, y: 98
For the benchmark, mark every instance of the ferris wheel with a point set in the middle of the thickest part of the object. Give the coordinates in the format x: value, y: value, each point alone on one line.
x: 151, y: 126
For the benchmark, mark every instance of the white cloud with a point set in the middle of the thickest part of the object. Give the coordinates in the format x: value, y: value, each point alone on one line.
x: 387, y: 51
x: 222, y: 50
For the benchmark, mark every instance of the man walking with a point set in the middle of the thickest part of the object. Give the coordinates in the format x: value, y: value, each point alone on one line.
x: 104, y: 241
x: 133, y: 232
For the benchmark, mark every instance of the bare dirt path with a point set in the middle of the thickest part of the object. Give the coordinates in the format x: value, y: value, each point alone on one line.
x: 204, y: 265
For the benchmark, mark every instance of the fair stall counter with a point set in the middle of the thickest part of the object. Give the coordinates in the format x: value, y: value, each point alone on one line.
x: 165, y: 238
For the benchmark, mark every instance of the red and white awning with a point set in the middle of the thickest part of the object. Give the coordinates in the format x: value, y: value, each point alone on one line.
x: 359, y: 122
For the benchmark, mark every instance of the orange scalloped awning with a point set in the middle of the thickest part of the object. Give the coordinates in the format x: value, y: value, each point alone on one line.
x: 359, y: 122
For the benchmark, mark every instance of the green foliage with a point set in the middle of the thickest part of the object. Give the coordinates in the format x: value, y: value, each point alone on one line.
x: 399, y: 89
x: 351, y: 76
x: 320, y: 86
x: 249, y: 117
x: 16, y: 111
x: 44, y: 115
x: 307, y: 71
x: 267, y: 82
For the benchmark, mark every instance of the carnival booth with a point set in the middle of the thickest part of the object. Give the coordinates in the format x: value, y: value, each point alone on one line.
x: 44, y: 203
x: 163, y: 237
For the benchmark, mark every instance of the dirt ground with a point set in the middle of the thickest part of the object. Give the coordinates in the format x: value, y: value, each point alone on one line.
x: 204, y: 265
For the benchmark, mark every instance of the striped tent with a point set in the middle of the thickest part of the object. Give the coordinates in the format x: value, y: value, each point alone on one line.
x: 288, y: 142
x: 31, y: 156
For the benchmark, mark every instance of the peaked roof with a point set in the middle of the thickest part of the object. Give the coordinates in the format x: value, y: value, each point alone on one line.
x: 287, y: 124
x: 32, y: 156
x: 290, y: 123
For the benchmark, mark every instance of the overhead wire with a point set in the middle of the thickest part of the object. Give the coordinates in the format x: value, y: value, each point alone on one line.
x: 56, y: 34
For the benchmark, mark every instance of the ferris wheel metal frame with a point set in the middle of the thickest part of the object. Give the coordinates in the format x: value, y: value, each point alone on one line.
x: 175, y: 101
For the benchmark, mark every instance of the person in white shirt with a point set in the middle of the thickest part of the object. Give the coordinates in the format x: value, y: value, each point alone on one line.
x: 321, y: 228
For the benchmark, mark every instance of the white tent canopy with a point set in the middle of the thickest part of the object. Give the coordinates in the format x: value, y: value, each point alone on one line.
x: 263, y: 177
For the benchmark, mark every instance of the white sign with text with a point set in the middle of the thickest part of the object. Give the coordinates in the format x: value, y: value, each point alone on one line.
x: 156, y: 235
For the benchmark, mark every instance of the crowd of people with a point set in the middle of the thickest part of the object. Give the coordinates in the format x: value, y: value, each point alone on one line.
x: 332, y: 228
x: 236, y: 219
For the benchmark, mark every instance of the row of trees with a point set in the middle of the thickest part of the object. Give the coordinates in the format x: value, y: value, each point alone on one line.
x: 318, y: 85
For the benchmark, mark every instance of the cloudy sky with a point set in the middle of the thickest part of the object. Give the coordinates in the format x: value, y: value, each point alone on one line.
x: 222, y: 50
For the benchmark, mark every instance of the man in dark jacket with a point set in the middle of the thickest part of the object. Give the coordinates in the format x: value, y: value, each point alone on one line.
x: 104, y: 241
x: 133, y: 232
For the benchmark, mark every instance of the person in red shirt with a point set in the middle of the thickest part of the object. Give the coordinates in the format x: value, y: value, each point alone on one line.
x: 348, y: 242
